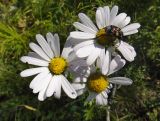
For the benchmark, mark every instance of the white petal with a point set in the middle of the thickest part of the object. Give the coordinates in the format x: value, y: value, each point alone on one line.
x: 128, y: 45
x: 82, y: 71
x: 58, y: 84
x: 38, y: 79
x: 78, y: 86
x: 35, y: 55
x: 87, y: 21
x: 103, y: 16
x: 77, y: 62
x: 51, y: 87
x: 81, y: 91
x: 100, y: 18
x: 68, y: 89
x: 116, y: 64
x: 130, y: 27
x: 130, y: 48
x: 33, y: 71
x: 130, y: 32
x: 42, y: 94
x: 104, y: 94
x: 74, y: 41
x: 82, y: 35
x: 55, y: 44
x: 113, y: 14
x: 39, y: 51
x: 121, y: 80
x: 72, y: 56
x: 119, y: 19
x: 106, y: 62
x: 84, y: 28
x: 33, y: 61
x: 45, y: 46
x: 126, y: 52
x: 80, y: 79
x: 83, y: 44
x: 91, y: 96
x: 100, y: 100
x: 93, y: 56
x: 84, y: 49
x: 67, y: 49
x: 107, y: 15
x: 125, y: 22
x: 77, y: 65
x: 99, y: 63
x: 42, y: 83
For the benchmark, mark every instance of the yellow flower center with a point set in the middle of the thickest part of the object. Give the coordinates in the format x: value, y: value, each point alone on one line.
x: 104, y: 37
x: 58, y: 65
x: 97, y: 82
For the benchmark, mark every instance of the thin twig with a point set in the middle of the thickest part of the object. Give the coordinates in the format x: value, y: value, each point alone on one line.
x: 114, y: 90
x: 108, y: 107
x: 108, y: 113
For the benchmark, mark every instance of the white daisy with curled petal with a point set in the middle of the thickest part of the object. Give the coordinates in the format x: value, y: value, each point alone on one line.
x: 98, y: 82
x: 110, y: 30
x: 51, y: 67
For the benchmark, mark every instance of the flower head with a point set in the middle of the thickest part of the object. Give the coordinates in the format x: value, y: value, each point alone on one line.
x: 97, y: 82
x: 110, y: 31
x: 52, y: 67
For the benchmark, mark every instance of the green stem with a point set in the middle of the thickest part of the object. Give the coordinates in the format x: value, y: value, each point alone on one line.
x: 108, y: 113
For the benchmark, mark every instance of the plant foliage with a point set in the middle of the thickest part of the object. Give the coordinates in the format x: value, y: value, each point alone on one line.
x: 21, y: 20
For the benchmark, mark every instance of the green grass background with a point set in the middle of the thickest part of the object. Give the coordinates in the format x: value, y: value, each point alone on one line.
x: 21, y: 20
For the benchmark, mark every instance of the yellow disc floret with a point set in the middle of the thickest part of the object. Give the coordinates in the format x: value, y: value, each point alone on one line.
x: 105, y: 38
x: 101, y: 37
x: 97, y: 82
x: 58, y: 65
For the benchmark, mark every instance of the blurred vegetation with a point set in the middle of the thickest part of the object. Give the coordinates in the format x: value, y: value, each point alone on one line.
x: 21, y: 20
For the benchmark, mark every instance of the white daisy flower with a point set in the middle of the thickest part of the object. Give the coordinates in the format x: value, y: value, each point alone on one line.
x: 51, y: 67
x: 110, y: 30
x: 98, y: 82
